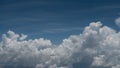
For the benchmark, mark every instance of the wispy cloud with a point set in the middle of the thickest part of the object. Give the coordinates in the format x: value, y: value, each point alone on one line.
x: 106, y: 7
x: 20, y: 4
x: 59, y: 30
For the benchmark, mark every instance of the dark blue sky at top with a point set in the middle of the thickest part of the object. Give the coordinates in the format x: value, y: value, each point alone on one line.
x: 55, y: 19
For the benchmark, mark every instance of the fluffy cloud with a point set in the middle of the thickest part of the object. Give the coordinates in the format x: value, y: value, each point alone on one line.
x: 97, y: 46
x: 117, y: 21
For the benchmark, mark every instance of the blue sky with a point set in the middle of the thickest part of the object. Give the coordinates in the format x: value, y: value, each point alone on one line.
x: 55, y: 19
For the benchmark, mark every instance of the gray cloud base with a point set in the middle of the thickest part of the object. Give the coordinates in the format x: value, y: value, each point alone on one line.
x: 97, y: 47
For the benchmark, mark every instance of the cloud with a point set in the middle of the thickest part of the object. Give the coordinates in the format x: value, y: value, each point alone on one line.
x: 117, y: 66
x: 98, y: 61
x: 117, y: 21
x: 98, y: 46
x: 25, y: 4
x: 59, y: 30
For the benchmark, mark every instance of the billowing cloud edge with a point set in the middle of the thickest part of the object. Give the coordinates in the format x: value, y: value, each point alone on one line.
x: 97, y: 46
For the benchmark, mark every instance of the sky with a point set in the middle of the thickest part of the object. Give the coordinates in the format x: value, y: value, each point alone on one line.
x: 59, y: 34
x: 55, y: 19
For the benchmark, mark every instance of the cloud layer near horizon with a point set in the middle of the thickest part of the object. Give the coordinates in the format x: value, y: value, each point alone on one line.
x: 97, y: 46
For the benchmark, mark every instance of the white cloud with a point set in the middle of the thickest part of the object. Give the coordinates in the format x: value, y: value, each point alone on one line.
x: 23, y: 37
x: 117, y: 21
x: 98, y: 61
x: 97, y: 46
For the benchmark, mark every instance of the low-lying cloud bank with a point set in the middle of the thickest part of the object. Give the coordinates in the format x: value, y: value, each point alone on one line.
x: 97, y: 47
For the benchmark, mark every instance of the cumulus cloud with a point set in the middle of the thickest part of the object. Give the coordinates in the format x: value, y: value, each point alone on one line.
x: 98, y: 46
x: 117, y: 21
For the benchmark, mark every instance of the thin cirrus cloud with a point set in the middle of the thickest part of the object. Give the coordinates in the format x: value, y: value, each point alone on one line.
x: 98, y: 46
x: 21, y: 4
x: 58, y: 30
